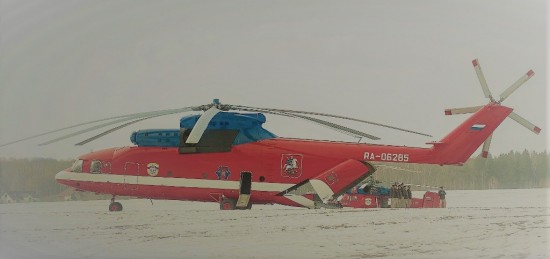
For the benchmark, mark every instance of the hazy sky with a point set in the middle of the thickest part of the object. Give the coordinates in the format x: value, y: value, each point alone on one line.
x: 395, y: 62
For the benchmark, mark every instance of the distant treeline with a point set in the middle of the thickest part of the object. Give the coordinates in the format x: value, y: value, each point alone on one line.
x: 35, y: 176
x: 506, y: 171
x: 514, y: 170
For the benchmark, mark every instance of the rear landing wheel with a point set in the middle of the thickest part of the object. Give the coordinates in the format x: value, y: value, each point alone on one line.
x: 115, y: 206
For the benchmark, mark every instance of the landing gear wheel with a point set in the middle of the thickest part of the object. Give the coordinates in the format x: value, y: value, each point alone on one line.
x: 115, y: 206
x: 227, y: 204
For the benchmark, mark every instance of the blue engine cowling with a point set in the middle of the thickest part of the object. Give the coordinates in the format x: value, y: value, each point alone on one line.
x: 249, y: 126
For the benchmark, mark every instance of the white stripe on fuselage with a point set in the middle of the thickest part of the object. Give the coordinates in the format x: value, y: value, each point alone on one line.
x: 166, y: 181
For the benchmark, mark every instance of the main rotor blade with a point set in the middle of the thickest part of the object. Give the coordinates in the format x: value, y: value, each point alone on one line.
x: 238, y: 107
x: 111, y: 130
x: 35, y: 136
x: 122, y: 119
x: 333, y: 126
x: 338, y: 127
x: 486, y: 145
x: 530, y: 126
x: 516, y: 85
x: 66, y: 128
x: 201, y: 125
x: 464, y: 110
x: 482, y: 80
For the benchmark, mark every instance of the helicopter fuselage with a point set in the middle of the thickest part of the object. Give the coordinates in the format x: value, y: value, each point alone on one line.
x: 266, y: 168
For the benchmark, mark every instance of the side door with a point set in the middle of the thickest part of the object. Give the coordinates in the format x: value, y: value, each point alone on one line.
x: 131, y: 176
x: 245, y: 190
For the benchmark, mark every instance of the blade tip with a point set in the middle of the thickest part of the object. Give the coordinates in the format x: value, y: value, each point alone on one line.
x: 448, y: 112
x: 485, y: 154
x: 530, y: 73
x: 537, y: 130
x: 475, y: 62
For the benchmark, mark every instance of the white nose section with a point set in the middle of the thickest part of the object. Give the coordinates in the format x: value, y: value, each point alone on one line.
x: 57, y: 175
x: 61, y: 175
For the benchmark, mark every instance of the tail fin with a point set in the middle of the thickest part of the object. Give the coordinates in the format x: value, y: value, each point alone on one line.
x: 462, y: 142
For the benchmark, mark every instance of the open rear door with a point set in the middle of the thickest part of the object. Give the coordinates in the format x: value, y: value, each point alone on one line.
x: 244, y: 194
x: 329, y: 184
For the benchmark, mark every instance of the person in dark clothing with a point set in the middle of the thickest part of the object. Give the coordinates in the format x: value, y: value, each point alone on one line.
x: 393, y: 195
x: 409, y: 196
x: 442, y: 202
x: 405, y: 196
x: 401, y: 196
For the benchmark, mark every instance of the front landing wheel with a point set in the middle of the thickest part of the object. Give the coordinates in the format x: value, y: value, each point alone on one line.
x: 115, y: 206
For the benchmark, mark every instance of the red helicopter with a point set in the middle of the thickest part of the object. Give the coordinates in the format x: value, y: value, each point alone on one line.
x: 228, y: 157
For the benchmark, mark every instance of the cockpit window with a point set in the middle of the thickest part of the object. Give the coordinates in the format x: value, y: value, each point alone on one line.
x: 77, y: 166
x: 95, y: 167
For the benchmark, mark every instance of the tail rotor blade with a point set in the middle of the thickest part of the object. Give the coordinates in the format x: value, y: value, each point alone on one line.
x: 530, y: 126
x: 455, y: 111
x: 516, y: 85
x: 482, y: 80
x: 486, y: 145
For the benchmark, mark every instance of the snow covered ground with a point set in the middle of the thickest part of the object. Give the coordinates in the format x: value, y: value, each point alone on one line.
x: 480, y: 224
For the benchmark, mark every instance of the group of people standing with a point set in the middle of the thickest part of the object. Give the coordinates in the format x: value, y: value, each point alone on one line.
x: 400, y: 195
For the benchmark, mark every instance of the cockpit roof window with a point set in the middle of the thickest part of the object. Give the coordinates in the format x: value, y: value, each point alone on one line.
x: 77, y: 166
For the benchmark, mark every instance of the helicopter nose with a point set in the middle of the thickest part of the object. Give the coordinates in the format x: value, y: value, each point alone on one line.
x: 61, y: 175
x: 65, y: 177
x: 95, y: 162
x: 65, y: 174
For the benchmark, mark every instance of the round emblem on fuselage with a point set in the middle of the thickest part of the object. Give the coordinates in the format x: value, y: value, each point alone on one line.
x: 152, y: 169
